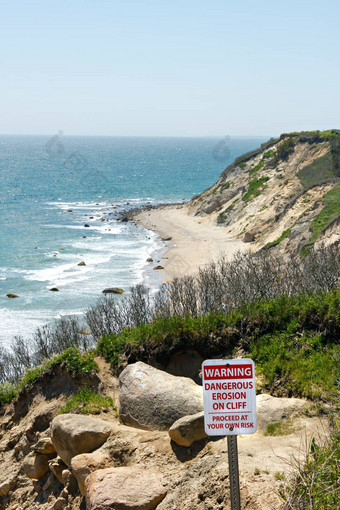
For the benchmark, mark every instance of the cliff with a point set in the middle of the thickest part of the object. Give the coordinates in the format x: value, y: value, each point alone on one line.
x: 285, y: 195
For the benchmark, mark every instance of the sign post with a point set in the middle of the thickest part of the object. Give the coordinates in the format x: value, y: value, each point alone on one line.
x: 229, y: 398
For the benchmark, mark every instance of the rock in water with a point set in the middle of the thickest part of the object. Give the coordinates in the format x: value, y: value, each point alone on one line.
x: 188, y: 429
x: 113, y: 290
x: 10, y: 295
x: 54, y: 289
x: 72, y: 434
x: 152, y: 399
x: 126, y: 488
x: 158, y: 268
x: 82, y: 263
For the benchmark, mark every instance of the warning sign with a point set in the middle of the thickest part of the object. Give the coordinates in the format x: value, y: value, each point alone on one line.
x: 229, y: 397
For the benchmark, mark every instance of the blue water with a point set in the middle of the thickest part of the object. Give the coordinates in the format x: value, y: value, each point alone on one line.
x: 51, y: 186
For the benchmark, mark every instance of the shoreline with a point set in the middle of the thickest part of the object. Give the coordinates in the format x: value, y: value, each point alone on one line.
x: 191, y: 242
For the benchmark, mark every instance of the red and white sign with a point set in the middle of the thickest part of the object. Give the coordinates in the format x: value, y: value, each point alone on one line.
x: 229, y: 397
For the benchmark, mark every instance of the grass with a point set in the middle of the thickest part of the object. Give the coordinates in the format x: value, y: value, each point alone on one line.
x: 88, y: 402
x: 256, y: 168
x: 256, y: 187
x: 294, y: 342
x: 330, y: 212
x: 269, y: 154
x: 279, y: 428
x: 315, y: 484
x: 284, y: 234
x: 242, y: 165
x: 225, y: 185
x: 318, y: 172
x: 74, y: 360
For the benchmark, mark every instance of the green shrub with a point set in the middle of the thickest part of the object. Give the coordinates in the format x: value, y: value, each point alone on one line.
x: 284, y: 149
x: 8, y: 392
x: 256, y: 168
x: 316, y: 481
x: 256, y: 187
x: 87, y: 401
x: 284, y: 234
x: 318, y: 172
x: 225, y: 185
x: 269, y: 154
x: 330, y: 212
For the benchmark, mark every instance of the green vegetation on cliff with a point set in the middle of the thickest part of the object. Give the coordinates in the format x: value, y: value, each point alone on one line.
x: 294, y: 341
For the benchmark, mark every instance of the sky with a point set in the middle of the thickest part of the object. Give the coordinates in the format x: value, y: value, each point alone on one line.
x: 169, y: 68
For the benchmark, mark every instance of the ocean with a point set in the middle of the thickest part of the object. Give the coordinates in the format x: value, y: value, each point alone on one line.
x: 51, y: 187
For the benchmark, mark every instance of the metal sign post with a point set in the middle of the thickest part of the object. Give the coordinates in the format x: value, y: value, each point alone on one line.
x: 233, y: 473
x: 229, y: 399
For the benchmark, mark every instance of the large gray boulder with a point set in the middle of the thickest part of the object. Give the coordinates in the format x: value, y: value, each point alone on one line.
x: 124, y: 488
x: 153, y: 400
x: 73, y: 434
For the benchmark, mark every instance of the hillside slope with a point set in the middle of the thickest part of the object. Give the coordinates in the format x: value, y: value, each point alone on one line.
x: 286, y: 194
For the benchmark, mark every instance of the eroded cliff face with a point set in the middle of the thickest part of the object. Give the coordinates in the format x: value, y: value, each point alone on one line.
x: 285, y: 196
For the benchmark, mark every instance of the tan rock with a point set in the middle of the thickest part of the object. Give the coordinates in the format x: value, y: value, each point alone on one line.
x: 44, y: 446
x: 73, y: 434
x: 57, y: 467
x: 249, y: 237
x: 35, y: 465
x: 84, y: 464
x: 124, y: 488
x: 5, y: 487
x: 188, y: 429
x: 272, y: 409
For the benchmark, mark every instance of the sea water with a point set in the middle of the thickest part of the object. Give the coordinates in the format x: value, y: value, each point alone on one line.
x: 51, y: 187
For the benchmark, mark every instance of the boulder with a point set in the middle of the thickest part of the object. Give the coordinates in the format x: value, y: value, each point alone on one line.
x: 113, y: 290
x: 73, y: 434
x: 273, y: 409
x: 84, y: 464
x: 86, y: 225
x: 44, y: 446
x: 149, y: 259
x: 35, y: 465
x: 166, y: 238
x: 125, y: 488
x: 6, y: 487
x: 84, y: 332
x: 249, y: 237
x: 12, y: 296
x: 152, y: 399
x: 82, y: 263
x: 158, y: 268
x: 54, y: 289
x: 188, y: 429
x: 57, y: 467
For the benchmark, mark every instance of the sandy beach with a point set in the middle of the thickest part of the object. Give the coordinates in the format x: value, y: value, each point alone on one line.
x: 195, y: 241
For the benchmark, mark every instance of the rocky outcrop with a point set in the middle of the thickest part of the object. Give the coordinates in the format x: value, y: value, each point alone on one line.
x: 124, y: 488
x: 153, y: 399
x: 188, y: 429
x: 73, y: 434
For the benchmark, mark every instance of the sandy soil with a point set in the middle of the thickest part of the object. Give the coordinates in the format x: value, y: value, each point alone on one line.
x: 195, y: 242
